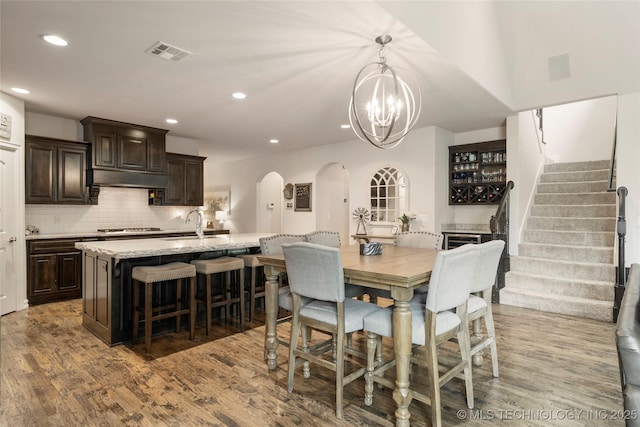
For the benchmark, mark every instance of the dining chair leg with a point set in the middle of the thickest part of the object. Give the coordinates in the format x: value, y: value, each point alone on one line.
x: 465, y: 351
x: 431, y: 353
x: 340, y: 374
x: 372, y: 345
x: 491, y: 334
x: 295, y: 334
x: 306, y: 337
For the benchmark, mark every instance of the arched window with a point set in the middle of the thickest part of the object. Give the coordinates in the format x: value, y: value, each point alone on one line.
x: 389, y: 195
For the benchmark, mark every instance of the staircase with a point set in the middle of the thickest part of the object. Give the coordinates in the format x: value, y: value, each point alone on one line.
x: 565, y: 263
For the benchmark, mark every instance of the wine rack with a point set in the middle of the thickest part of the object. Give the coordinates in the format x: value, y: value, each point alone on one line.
x: 477, y: 173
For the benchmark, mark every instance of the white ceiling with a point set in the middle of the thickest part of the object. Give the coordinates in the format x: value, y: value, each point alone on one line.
x: 477, y: 62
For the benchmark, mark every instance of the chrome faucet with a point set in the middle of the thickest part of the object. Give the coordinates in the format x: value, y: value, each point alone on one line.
x: 199, y: 231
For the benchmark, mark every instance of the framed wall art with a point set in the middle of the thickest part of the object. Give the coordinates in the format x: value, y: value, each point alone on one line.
x: 302, y: 196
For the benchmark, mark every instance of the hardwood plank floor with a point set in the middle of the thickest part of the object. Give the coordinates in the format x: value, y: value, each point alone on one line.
x: 554, y: 370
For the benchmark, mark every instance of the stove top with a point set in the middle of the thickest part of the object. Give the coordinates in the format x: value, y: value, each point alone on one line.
x: 128, y: 230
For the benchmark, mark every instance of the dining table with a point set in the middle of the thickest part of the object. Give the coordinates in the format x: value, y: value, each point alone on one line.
x: 397, y: 269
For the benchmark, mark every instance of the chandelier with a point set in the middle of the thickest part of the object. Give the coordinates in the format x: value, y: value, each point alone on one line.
x: 383, y: 109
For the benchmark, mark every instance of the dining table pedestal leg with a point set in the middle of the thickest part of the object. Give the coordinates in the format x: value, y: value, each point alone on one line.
x: 402, y: 395
x: 271, y: 313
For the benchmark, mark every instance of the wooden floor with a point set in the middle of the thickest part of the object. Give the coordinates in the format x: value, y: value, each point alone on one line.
x: 554, y: 370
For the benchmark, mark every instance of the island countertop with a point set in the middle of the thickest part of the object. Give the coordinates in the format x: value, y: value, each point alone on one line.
x: 138, y: 248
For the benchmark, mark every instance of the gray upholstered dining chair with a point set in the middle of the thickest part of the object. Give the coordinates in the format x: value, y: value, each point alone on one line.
x: 315, y: 272
x: 273, y: 245
x: 442, y: 318
x: 332, y: 239
x: 410, y: 239
x: 479, y: 306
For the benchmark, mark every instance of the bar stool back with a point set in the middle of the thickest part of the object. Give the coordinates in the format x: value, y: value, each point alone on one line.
x: 150, y: 276
x: 232, y: 291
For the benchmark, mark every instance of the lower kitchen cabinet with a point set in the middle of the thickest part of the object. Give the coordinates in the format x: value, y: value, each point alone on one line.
x: 96, y: 310
x: 54, y: 271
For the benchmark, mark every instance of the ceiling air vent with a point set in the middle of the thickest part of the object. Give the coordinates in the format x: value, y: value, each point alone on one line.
x: 169, y: 52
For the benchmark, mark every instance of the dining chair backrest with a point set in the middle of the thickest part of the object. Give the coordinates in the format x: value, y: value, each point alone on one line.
x: 451, y: 277
x: 315, y: 271
x: 419, y: 239
x: 321, y: 237
x: 273, y: 244
x: 490, y: 254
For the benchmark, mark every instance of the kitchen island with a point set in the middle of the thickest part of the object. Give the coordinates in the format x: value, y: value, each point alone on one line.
x: 107, y: 309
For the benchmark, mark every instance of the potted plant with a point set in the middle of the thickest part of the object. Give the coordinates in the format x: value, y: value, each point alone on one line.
x: 405, y: 219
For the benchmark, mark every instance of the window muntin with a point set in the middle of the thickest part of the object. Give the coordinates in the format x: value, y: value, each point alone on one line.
x: 388, y: 195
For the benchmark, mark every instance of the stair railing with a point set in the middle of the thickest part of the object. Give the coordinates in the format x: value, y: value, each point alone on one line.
x: 621, y: 272
x: 612, y: 162
x: 499, y: 226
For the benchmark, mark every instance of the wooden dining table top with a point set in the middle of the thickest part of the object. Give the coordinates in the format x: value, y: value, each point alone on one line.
x: 395, y: 267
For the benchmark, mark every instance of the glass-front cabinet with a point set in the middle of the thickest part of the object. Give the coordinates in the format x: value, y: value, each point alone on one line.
x: 477, y: 173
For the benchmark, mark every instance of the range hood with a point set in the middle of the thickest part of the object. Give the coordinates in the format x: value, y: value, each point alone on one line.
x: 123, y: 178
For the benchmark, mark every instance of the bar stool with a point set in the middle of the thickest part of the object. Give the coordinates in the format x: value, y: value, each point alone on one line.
x: 255, y: 291
x: 208, y: 267
x: 149, y: 276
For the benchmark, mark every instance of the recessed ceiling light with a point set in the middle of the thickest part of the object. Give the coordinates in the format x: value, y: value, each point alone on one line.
x: 274, y: 141
x: 345, y: 127
x: 54, y: 40
x: 171, y: 121
x: 20, y: 90
x: 239, y: 95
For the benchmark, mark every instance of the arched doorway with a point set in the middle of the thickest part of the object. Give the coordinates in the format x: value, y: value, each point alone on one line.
x: 332, y: 200
x: 269, y: 203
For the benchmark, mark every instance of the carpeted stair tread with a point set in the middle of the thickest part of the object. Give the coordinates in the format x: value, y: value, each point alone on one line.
x: 600, y: 254
x: 581, y: 307
x: 587, y: 289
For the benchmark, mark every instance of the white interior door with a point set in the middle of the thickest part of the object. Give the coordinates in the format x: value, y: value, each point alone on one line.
x: 8, y: 232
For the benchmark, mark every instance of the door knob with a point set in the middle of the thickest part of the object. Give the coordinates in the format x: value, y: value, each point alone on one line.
x: 12, y: 239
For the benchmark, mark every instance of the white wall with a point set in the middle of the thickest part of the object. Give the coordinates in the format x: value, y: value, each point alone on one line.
x: 415, y: 156
x: 580, y: 131
x: 628, y: 170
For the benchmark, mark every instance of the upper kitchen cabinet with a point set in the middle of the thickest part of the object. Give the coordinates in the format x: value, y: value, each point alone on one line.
x: 186, y: 187
x: 125, y: 154
x: 55, y: 171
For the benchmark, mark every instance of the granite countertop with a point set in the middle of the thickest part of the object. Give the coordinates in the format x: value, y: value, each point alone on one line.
x: 89, y: 234
x: 466, y: 228
x: 138, y: 248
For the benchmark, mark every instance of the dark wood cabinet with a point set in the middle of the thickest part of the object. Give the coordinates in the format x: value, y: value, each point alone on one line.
x: 125, y: 154
x: 186, y: 185
x: 55, y: 171
x: 477, y: 173
x: 54, y: 270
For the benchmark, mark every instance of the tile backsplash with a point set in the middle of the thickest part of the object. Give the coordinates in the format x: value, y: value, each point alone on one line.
x: 117, y: 207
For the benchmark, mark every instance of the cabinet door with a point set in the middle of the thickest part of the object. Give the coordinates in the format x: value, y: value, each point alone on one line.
x: 193, y: 183
x: 132, y: 152
x: 102, y: 297
x: 156, y: 154
x: 89, y: 286
x: 69, y: 272
x: 42, y: 276
x: 72, y: 175
x: 175, y: 190
x: 104, y: 148
x: 40, y: 170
